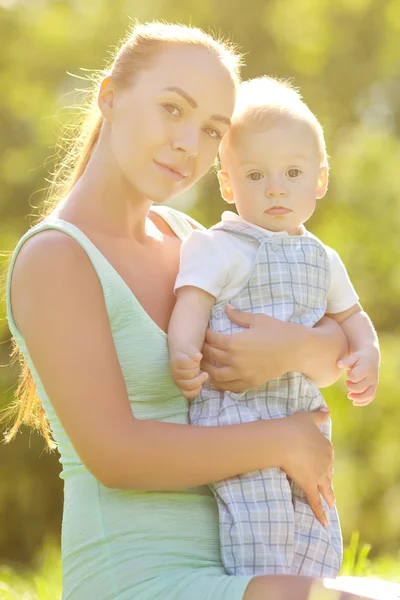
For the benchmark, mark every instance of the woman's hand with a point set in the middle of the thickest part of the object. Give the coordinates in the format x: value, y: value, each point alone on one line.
x: 249, y: 358
x: 307, y: 458
x: 268, y: 347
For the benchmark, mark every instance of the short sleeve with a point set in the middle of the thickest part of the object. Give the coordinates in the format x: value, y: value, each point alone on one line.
x: 203, y: 263
x: 341, y: 294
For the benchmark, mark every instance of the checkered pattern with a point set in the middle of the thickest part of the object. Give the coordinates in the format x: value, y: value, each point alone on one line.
x: 266, y: 524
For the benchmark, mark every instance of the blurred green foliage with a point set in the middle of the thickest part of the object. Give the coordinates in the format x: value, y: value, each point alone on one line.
x: 345, y: 57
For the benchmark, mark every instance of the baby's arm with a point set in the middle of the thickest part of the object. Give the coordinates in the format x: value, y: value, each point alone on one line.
x: 186, y: 333
x: 363, y: 361
x: 203, y: 272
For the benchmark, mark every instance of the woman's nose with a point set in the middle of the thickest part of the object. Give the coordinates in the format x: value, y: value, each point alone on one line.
x: 187, y: 141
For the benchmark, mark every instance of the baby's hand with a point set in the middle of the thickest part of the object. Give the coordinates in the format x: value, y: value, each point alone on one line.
x: 362, y: 375
x: 185, y: 371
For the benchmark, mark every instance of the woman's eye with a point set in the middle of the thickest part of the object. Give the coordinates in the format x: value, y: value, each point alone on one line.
x: 172, y: 109
x: 294, y: 173
x: 255, y: 176
x: 213, y: 133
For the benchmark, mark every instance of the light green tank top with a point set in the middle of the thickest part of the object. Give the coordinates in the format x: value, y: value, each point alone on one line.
x: 122, y: 544
x: 140, y: 344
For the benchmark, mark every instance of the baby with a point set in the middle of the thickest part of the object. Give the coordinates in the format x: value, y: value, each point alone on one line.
x: 263, y: 260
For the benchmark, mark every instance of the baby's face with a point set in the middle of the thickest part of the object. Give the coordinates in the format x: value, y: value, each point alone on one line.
x: 275, y: 175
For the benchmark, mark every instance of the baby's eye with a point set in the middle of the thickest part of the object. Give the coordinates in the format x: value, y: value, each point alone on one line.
x: 213, y: 133
x: 255, y: 176
x: 172, y: 109
x: 293, y: 173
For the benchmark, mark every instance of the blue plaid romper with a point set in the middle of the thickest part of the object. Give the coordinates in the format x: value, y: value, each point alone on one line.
x: 266, y: 523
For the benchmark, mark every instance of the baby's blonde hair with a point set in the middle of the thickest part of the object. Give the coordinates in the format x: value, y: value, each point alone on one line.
x: 262, y: 101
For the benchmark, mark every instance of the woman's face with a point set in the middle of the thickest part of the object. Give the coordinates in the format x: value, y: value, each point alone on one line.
x: 165, y: 129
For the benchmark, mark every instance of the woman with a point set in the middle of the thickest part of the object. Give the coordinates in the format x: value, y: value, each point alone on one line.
x: 90, y: 294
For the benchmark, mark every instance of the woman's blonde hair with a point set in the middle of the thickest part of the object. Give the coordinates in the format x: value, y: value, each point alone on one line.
x: 141, y: 45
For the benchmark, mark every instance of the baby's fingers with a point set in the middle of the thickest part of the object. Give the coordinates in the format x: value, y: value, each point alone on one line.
x: 357, y: 373
x: 359, y: 387
x: 191, y: 388
x: 183, y: 361
x: 364, y: 398
x: 186, y: 374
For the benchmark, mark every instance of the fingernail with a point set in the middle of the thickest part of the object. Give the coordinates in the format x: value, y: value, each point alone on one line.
x: 230, y: 306
x: 324, y: 409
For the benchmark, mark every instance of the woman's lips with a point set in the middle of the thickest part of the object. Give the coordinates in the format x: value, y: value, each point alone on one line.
x: 170, y: 172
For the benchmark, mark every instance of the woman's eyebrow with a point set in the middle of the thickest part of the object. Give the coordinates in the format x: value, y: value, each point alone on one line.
x: 194, y: 104
x: 221, y: 118
x: 184, y: 95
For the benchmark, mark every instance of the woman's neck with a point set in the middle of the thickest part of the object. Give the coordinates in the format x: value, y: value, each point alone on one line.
x: 103, y: 200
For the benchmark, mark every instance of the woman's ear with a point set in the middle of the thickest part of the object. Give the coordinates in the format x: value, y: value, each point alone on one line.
x: 225, y: 187
x: 322, y: 185
x: 106, y: 98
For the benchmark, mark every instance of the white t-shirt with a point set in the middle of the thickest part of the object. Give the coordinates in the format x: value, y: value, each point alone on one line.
x: 220, y: 264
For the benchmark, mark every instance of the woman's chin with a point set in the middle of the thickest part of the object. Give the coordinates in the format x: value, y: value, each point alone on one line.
x: 160, y: 197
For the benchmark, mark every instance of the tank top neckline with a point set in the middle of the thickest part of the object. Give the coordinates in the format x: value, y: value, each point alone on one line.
x: 170, y: 222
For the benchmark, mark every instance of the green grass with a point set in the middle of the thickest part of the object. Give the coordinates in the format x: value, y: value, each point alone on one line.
x: 44, y: 581
x: 356, y: 562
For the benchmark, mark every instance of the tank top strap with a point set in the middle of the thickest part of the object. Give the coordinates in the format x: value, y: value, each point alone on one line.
x: 108, y: 277
x: 114, y: 287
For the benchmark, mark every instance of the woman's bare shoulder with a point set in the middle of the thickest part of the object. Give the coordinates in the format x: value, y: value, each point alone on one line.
x: 49, y: 260
x: 46, y: 253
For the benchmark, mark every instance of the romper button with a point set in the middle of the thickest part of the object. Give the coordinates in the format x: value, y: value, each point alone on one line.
x: 218, y: 314
x: 274, y: 247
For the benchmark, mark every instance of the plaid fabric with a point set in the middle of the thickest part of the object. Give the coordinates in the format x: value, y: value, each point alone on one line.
x: 266, y: 524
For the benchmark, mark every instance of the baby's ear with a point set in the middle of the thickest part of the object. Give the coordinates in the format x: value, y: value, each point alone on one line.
x: 225, y: 187
x: 322, y: 185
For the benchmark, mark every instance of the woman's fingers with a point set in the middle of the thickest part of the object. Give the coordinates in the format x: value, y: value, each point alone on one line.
x: 320, y: 416
x: 314, y: 500
x: 309, y: 460
x: 327, y: 493
x: 215, y: 355
x: 222, y: 341
x: 223, y: 378
x: 219, y: 374
x: 243, y: 319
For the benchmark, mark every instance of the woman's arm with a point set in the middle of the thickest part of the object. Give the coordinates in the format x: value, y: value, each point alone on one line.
x: 298, y: 587
x: 58, y: 306
x: 324, y: 344
x: 269, y: 347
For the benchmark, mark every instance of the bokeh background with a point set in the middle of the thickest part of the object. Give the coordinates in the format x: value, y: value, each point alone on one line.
x: 345, y: 57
